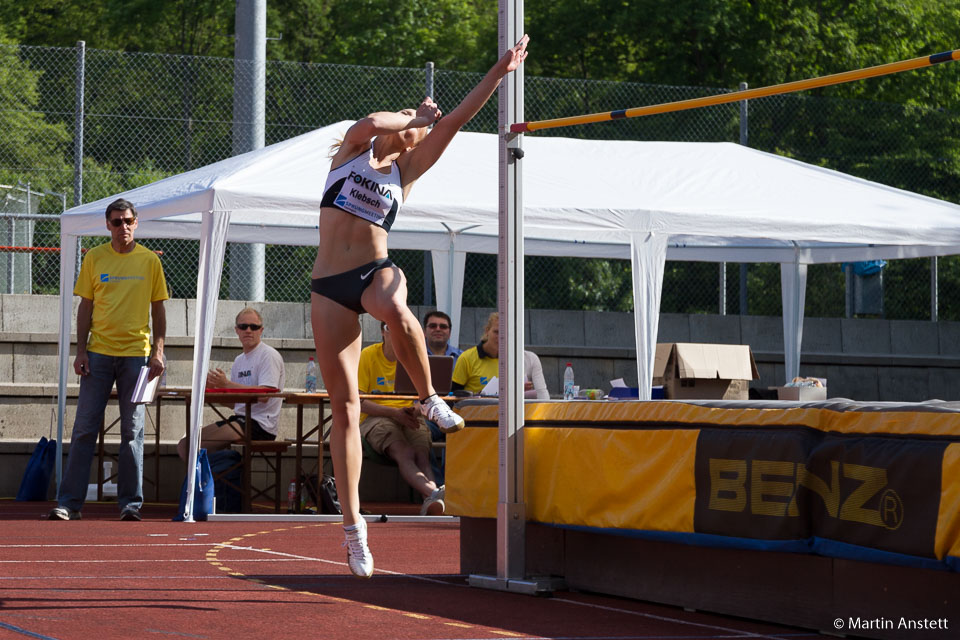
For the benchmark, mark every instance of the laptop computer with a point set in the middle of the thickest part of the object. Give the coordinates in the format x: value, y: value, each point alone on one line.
x: 441, y: 373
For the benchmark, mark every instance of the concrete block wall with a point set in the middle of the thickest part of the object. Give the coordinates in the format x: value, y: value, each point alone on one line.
x: 863, y: 359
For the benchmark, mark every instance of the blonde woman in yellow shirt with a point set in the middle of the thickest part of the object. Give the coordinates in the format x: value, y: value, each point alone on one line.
x: 478, y: 365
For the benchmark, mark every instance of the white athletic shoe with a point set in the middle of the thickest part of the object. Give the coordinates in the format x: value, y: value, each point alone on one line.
x: 433, y: 505
x: 438, y: 411
x: 358, y: 555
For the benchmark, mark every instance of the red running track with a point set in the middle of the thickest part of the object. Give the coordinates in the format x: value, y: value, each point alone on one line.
x: 104, y: 579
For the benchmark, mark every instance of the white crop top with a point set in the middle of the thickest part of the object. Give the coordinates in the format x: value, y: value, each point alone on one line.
x: 357, y: 188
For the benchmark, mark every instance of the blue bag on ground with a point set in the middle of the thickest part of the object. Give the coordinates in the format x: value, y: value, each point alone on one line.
x: 36, y: 479
x: 227, y: 468
x: 203, y: 492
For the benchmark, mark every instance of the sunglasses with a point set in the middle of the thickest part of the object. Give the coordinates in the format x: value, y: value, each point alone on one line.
x: 119, y: 221
x: 435, y: 325
x: 253, y: 327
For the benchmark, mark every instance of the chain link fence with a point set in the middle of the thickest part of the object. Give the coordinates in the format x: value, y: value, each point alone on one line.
x: 149, y: 116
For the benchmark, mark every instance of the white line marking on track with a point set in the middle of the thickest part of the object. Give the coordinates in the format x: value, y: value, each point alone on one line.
x: 148, y: 561
x: 283, y: 557
x: 651, y: 616
x: 293, y: 556
x: 136, y: 578
x: 122, y: 546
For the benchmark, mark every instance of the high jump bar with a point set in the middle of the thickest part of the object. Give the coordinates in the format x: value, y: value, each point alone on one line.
x: 737, y: 96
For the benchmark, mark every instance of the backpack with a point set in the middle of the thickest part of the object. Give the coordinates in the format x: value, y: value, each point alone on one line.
x: 36, y: 479
x: 324, y: 495
x: 203, y: 490
x: 227, y: 487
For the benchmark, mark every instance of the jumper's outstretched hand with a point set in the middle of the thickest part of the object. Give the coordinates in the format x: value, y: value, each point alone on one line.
x: 514, y: 56
x: 429, y: 110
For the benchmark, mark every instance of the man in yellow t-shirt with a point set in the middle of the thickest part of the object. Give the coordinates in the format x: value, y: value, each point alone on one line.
x: 120, y: 286
x: 395, y: 428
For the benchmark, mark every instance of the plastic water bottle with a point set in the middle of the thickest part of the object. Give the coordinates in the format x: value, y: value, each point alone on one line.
x: 109, y: 487
x: 568, y: 382
x: 311, y: 383
x: 292, y: 494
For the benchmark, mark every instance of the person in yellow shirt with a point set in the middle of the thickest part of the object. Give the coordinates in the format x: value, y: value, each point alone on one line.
x: 478, y: 365
x: 395, y: 428
x: 120, y: 285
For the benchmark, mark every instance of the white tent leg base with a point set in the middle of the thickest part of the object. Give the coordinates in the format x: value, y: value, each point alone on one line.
x: 533, y: 586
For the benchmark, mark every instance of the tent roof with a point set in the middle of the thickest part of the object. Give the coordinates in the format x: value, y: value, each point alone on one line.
x: 715, y: 201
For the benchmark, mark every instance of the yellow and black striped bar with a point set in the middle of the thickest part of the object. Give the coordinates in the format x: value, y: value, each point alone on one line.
x: 737, y: 96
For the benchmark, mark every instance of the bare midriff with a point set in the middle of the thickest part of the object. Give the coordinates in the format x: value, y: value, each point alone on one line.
x: 346, y: 242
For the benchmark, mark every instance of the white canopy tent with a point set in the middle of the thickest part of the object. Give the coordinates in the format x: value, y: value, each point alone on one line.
x: 643, y: 201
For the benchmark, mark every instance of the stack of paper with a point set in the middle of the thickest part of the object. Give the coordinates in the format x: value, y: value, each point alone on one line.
x: 146, y: 389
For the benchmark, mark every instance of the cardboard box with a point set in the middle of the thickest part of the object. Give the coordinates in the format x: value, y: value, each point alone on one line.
x: 693, y: 371
x: 803, y: 394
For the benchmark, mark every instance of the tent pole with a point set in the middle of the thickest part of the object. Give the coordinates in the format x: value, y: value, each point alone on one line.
x: 68, y: 245
x: 213, y: 242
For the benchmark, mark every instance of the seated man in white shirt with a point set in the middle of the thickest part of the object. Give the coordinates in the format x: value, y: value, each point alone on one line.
x: 260, y: 365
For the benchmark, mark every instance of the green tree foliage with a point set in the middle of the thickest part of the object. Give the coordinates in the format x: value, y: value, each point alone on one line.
x: 721, y: 43
x: 454, y: 34
x: 28, y: 142
x: 151, y: 116
x: 188, y: 27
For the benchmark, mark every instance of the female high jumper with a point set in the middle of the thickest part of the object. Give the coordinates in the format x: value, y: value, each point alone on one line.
x: 372, y: 171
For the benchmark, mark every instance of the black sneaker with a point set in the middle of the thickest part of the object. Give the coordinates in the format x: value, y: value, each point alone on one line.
x: 130, y: 514
x: 62, y: 513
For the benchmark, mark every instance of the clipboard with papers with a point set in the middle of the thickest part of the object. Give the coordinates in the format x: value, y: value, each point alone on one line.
x: 145, y: 390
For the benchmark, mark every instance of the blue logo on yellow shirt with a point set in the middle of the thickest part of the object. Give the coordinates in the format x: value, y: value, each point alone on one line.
x: 381, y: 381
x: 484, y: 380
x: 105, y: 277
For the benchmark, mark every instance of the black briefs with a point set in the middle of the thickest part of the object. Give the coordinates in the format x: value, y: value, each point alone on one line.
x: 347, y: 287
x: 256, y: 431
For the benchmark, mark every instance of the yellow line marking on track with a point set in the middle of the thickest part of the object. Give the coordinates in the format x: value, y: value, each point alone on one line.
x: 214, y: 559
x: 512, y: 634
